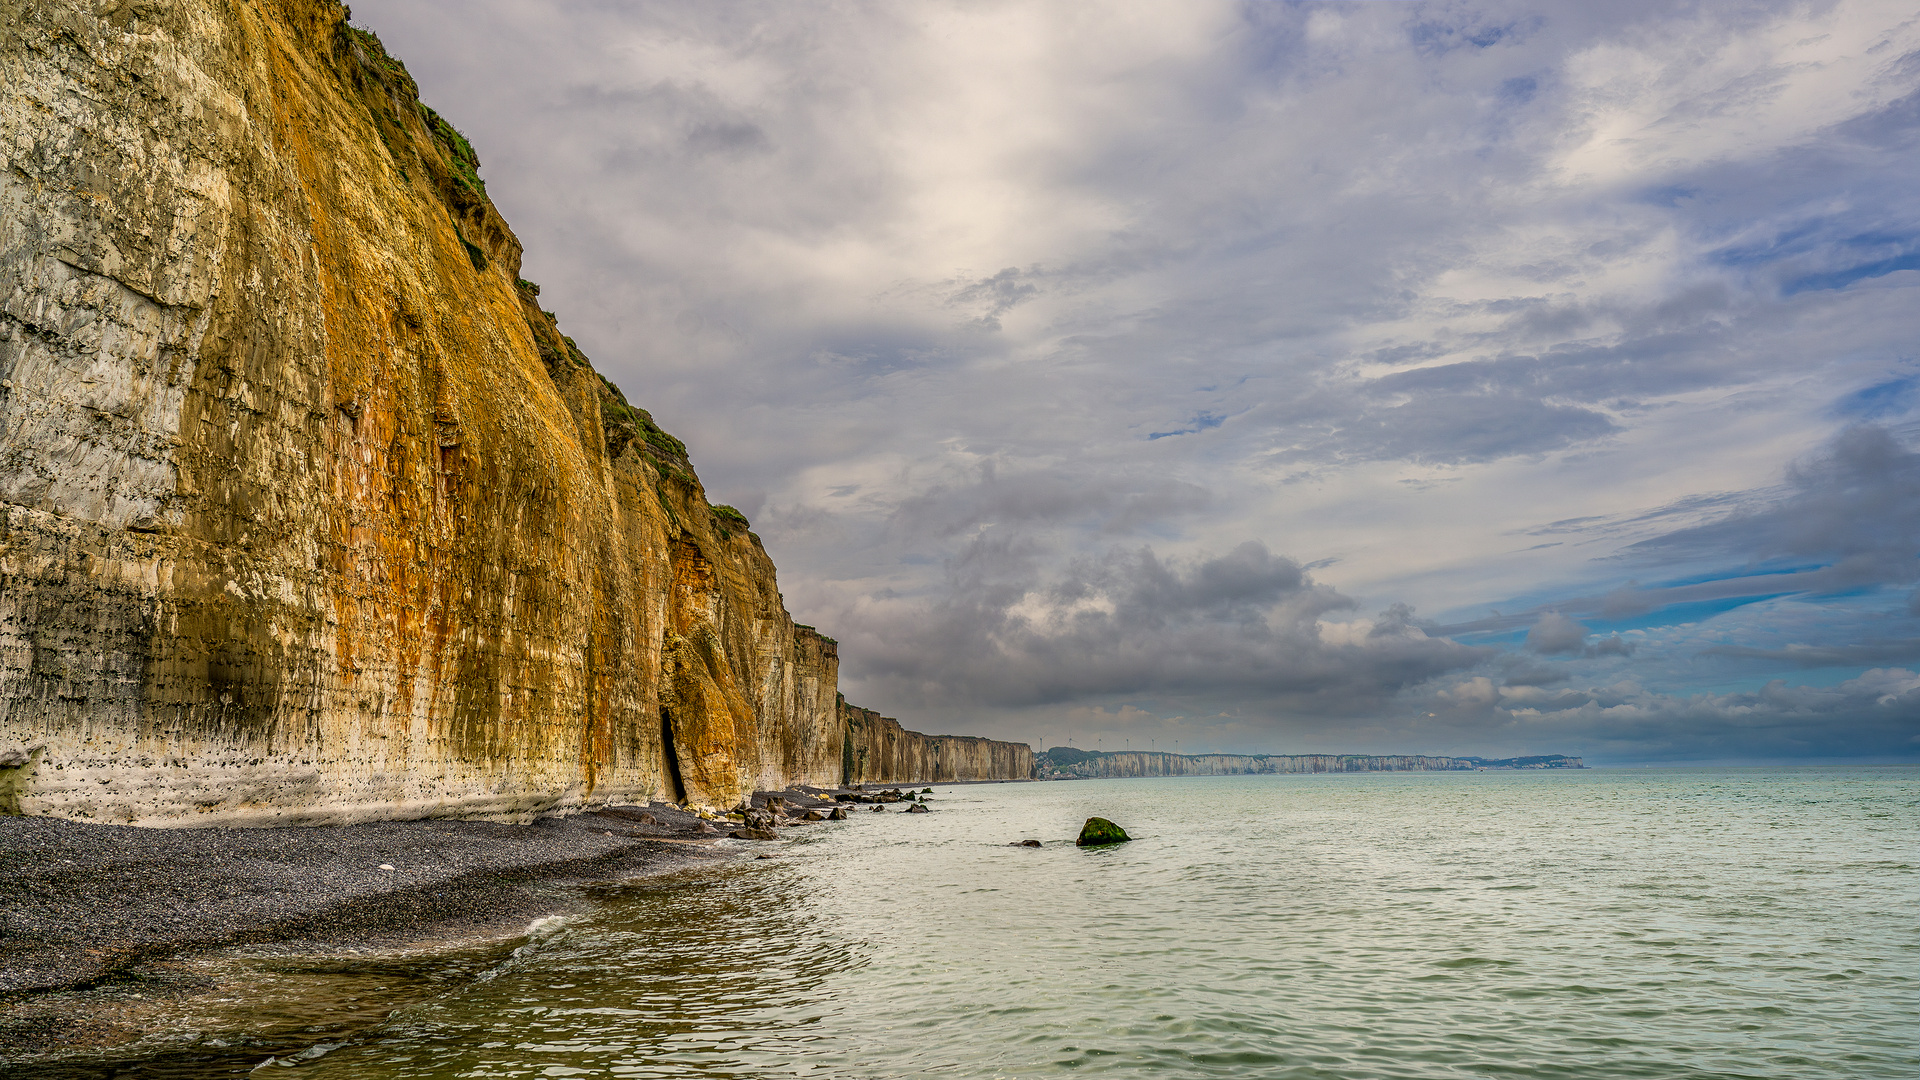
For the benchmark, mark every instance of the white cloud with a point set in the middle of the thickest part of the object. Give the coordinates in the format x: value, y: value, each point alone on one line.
x: 1390, y: 288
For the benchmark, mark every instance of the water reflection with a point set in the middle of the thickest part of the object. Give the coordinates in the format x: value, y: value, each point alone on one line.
x: 664, y: 977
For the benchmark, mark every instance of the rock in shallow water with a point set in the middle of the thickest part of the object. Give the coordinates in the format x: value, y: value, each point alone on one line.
x: 1099, y: 830
x: 918, y: 808
x: 754, y: 834
x: 839, y: 814
x: 1025, y: 843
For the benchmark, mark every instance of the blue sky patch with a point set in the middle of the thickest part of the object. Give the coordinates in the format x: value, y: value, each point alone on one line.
x: 1199, y: 423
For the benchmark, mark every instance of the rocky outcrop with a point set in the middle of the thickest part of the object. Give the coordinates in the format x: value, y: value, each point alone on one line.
x: 1064, y: 762
x: 1099, y: 831
x: 308, y: 512
x: 879, y: 751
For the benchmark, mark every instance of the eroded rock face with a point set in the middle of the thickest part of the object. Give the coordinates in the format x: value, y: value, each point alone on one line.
x: 307, y: 511
x: 879, y: 751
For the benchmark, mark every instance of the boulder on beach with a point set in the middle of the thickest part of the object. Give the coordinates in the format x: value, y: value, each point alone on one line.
x: 754, y: 834
x: 839, y: 814
x: 814, y: 815
x: 1099, y: 830
x: 918, y: 808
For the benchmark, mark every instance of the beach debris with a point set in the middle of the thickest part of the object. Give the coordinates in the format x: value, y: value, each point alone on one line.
x: 1099, y: 830
x: 386, y: 866
x: 918, y: 808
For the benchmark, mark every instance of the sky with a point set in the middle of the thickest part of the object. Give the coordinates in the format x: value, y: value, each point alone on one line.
x: 1454, y: 378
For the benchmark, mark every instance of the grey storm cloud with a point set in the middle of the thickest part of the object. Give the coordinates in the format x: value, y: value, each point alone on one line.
x: 1854, y: 506
x: 1851, y: 509
x: 1130, y: 623
x: 958, y: 297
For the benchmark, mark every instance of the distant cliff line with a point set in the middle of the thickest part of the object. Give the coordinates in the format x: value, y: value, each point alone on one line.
x: 879, y: 750
x: 1065, y: 762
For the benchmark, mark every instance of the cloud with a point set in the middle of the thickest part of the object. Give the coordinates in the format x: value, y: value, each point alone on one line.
x: 1905, y: 650
x: 959, y: 297
x: 993, y: 496
x: 1868, y: 716
x: 1847, y: 520
x: 1857, y: 500
x: 1554, y: 633
x: 1129, y: 622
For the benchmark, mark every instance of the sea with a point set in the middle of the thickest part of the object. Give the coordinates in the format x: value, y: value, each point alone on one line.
x: 1657, y: 923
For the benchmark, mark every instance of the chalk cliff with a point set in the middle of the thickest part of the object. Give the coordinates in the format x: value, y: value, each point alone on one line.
x: 1062, y: 762
x: 308, y: 512
x: 879, y: 751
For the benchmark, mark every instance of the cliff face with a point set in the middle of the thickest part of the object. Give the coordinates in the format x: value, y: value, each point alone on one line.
x: 1066, y: 762
x: 307, y: 511
x: 879, y: 751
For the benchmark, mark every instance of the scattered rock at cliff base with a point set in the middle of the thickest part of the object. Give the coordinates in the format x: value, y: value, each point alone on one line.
x: 918, y: 808
x: 1025, y: 843
x: 754, y: 834
x: 1099, y: 830
x: 839, y: 814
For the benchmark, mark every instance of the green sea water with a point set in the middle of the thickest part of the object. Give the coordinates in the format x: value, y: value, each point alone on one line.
x: 1646, y: 923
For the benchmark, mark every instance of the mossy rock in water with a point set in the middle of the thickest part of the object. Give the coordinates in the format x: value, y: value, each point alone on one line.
x: 1099, y: 830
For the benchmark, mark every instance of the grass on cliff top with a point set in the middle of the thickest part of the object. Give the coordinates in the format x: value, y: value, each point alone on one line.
x: 614, y: 409
x: 463, y: 162
x: 460, y: 153
x: 370, y: 43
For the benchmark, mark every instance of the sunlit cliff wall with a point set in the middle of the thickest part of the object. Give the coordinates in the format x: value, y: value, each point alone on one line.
x: 879, y: 751
x: 307, y: 510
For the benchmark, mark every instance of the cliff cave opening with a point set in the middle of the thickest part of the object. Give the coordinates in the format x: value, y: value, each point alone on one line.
x: 676, y: 787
